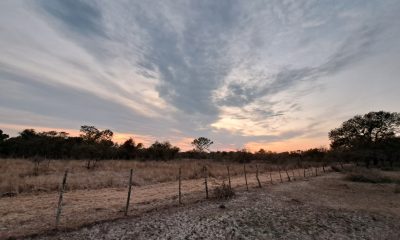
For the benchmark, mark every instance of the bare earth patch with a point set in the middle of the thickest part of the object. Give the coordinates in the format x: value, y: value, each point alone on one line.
x: 325, y: 207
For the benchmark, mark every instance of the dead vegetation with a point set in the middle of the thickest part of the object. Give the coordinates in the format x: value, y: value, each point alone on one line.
x: 25, y: 176
x: 357, y: 174
x: 223, y: 191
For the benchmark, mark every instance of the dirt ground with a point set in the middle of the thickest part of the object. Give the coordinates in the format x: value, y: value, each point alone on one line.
x: 325, y: 207
x: 27, y: 214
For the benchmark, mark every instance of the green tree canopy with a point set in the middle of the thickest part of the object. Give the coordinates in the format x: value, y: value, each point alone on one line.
x: 366, y: 130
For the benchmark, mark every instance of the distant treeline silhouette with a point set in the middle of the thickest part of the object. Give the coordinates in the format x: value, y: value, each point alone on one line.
x: 368, y: 139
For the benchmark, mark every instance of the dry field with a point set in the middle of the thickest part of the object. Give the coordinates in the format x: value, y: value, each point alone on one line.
x: 156, y: 187
x: 325, y: 207
x: 17, y: 175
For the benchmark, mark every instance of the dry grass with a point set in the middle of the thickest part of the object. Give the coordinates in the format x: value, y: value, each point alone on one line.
x: 371, y: 176
x: 35, y: 212
x: 223, y: 191
x: 17, y: 175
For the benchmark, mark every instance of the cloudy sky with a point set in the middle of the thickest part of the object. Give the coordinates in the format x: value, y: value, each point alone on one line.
x: 247, y: 74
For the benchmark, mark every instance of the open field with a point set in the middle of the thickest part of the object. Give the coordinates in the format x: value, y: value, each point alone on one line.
x: 325, y: 207
x: 17, y: 175
x: 35, y: 212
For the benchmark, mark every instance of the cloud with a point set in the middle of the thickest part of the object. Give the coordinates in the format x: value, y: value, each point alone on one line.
x: 234, y: 71
x: 77, y: 15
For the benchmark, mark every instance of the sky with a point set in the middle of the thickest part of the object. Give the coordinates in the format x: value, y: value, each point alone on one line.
x: 277, y: 75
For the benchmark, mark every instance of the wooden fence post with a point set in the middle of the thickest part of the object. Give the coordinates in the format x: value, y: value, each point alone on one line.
x: 258, y: 180
x: 205, y: 180
x: 180, y: 185
x: 287, y: 174
x: 129, y: 193
x: 229, y: 177
x: 270, y: 177
x: 316, y: 171
x: 60, y: 199
x: 245, y: 176
x: 304, y: 169
x: 323, y: 167
x: 280, y: 175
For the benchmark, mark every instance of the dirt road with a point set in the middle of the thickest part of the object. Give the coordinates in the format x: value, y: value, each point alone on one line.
x: 326, y: 207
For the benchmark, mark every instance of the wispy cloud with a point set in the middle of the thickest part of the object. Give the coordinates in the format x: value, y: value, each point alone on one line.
x: 236, y: 71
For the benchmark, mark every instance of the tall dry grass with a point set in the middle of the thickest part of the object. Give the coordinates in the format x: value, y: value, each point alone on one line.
x: 18, y: 176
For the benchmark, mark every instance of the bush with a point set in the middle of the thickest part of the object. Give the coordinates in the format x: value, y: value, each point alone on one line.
x: 368, y: 176
x: 223, y: 192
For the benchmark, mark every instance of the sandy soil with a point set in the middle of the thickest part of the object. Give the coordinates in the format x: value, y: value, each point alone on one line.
x: 35, y: 214
x: 326, y: 207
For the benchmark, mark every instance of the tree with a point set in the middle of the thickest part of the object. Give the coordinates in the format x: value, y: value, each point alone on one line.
x: 202, y: 144
x: 162, y: 150
x: 364, y: 131
x: 371, y: 137
x: 129, y: 149
x: 92, y: 134
x: 3, y: 136
x: 99, y: 144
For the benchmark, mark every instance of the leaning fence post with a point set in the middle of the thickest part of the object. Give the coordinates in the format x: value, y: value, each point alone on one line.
x: 129, y: 193
x: 287, y: 174
x: 205, y: 180
x: 229, y: 177
x: 280, y: 175
x: 245, y: 176
x: 258, y: 180
x: 60, y: 199
x: 180, y: 184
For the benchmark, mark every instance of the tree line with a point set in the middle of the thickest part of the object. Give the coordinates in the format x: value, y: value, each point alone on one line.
x: 370, y: 139
x: 92, y: 143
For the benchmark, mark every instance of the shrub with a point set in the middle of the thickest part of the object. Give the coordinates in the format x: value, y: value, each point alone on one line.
x: 368, y: 176
x: 223, y: 192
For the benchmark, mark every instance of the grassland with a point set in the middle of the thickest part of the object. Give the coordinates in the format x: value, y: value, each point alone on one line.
x: 18, y: 176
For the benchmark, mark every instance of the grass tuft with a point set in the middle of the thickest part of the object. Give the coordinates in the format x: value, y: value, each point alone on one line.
x: 223, y: 192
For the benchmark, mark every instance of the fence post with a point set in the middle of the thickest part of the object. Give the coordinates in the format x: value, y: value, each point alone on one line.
x: 245, y: 176
x: 323, y: 167
x: 280, y: 175
x: 60, y: 199
x: 304, y: 172
x: 205, y: 180
x: 229, y: 177
x: 258, y: 180
x: 180, y: 185
x: 270, y: 177
x: 316, y: 171
x: 129, y: 193
x: 287, y: 174
x: 294, y: 179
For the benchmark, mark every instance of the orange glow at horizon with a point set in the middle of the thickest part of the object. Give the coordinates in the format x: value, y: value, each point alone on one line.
x: 288, y: 145
x: 184, y: 143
